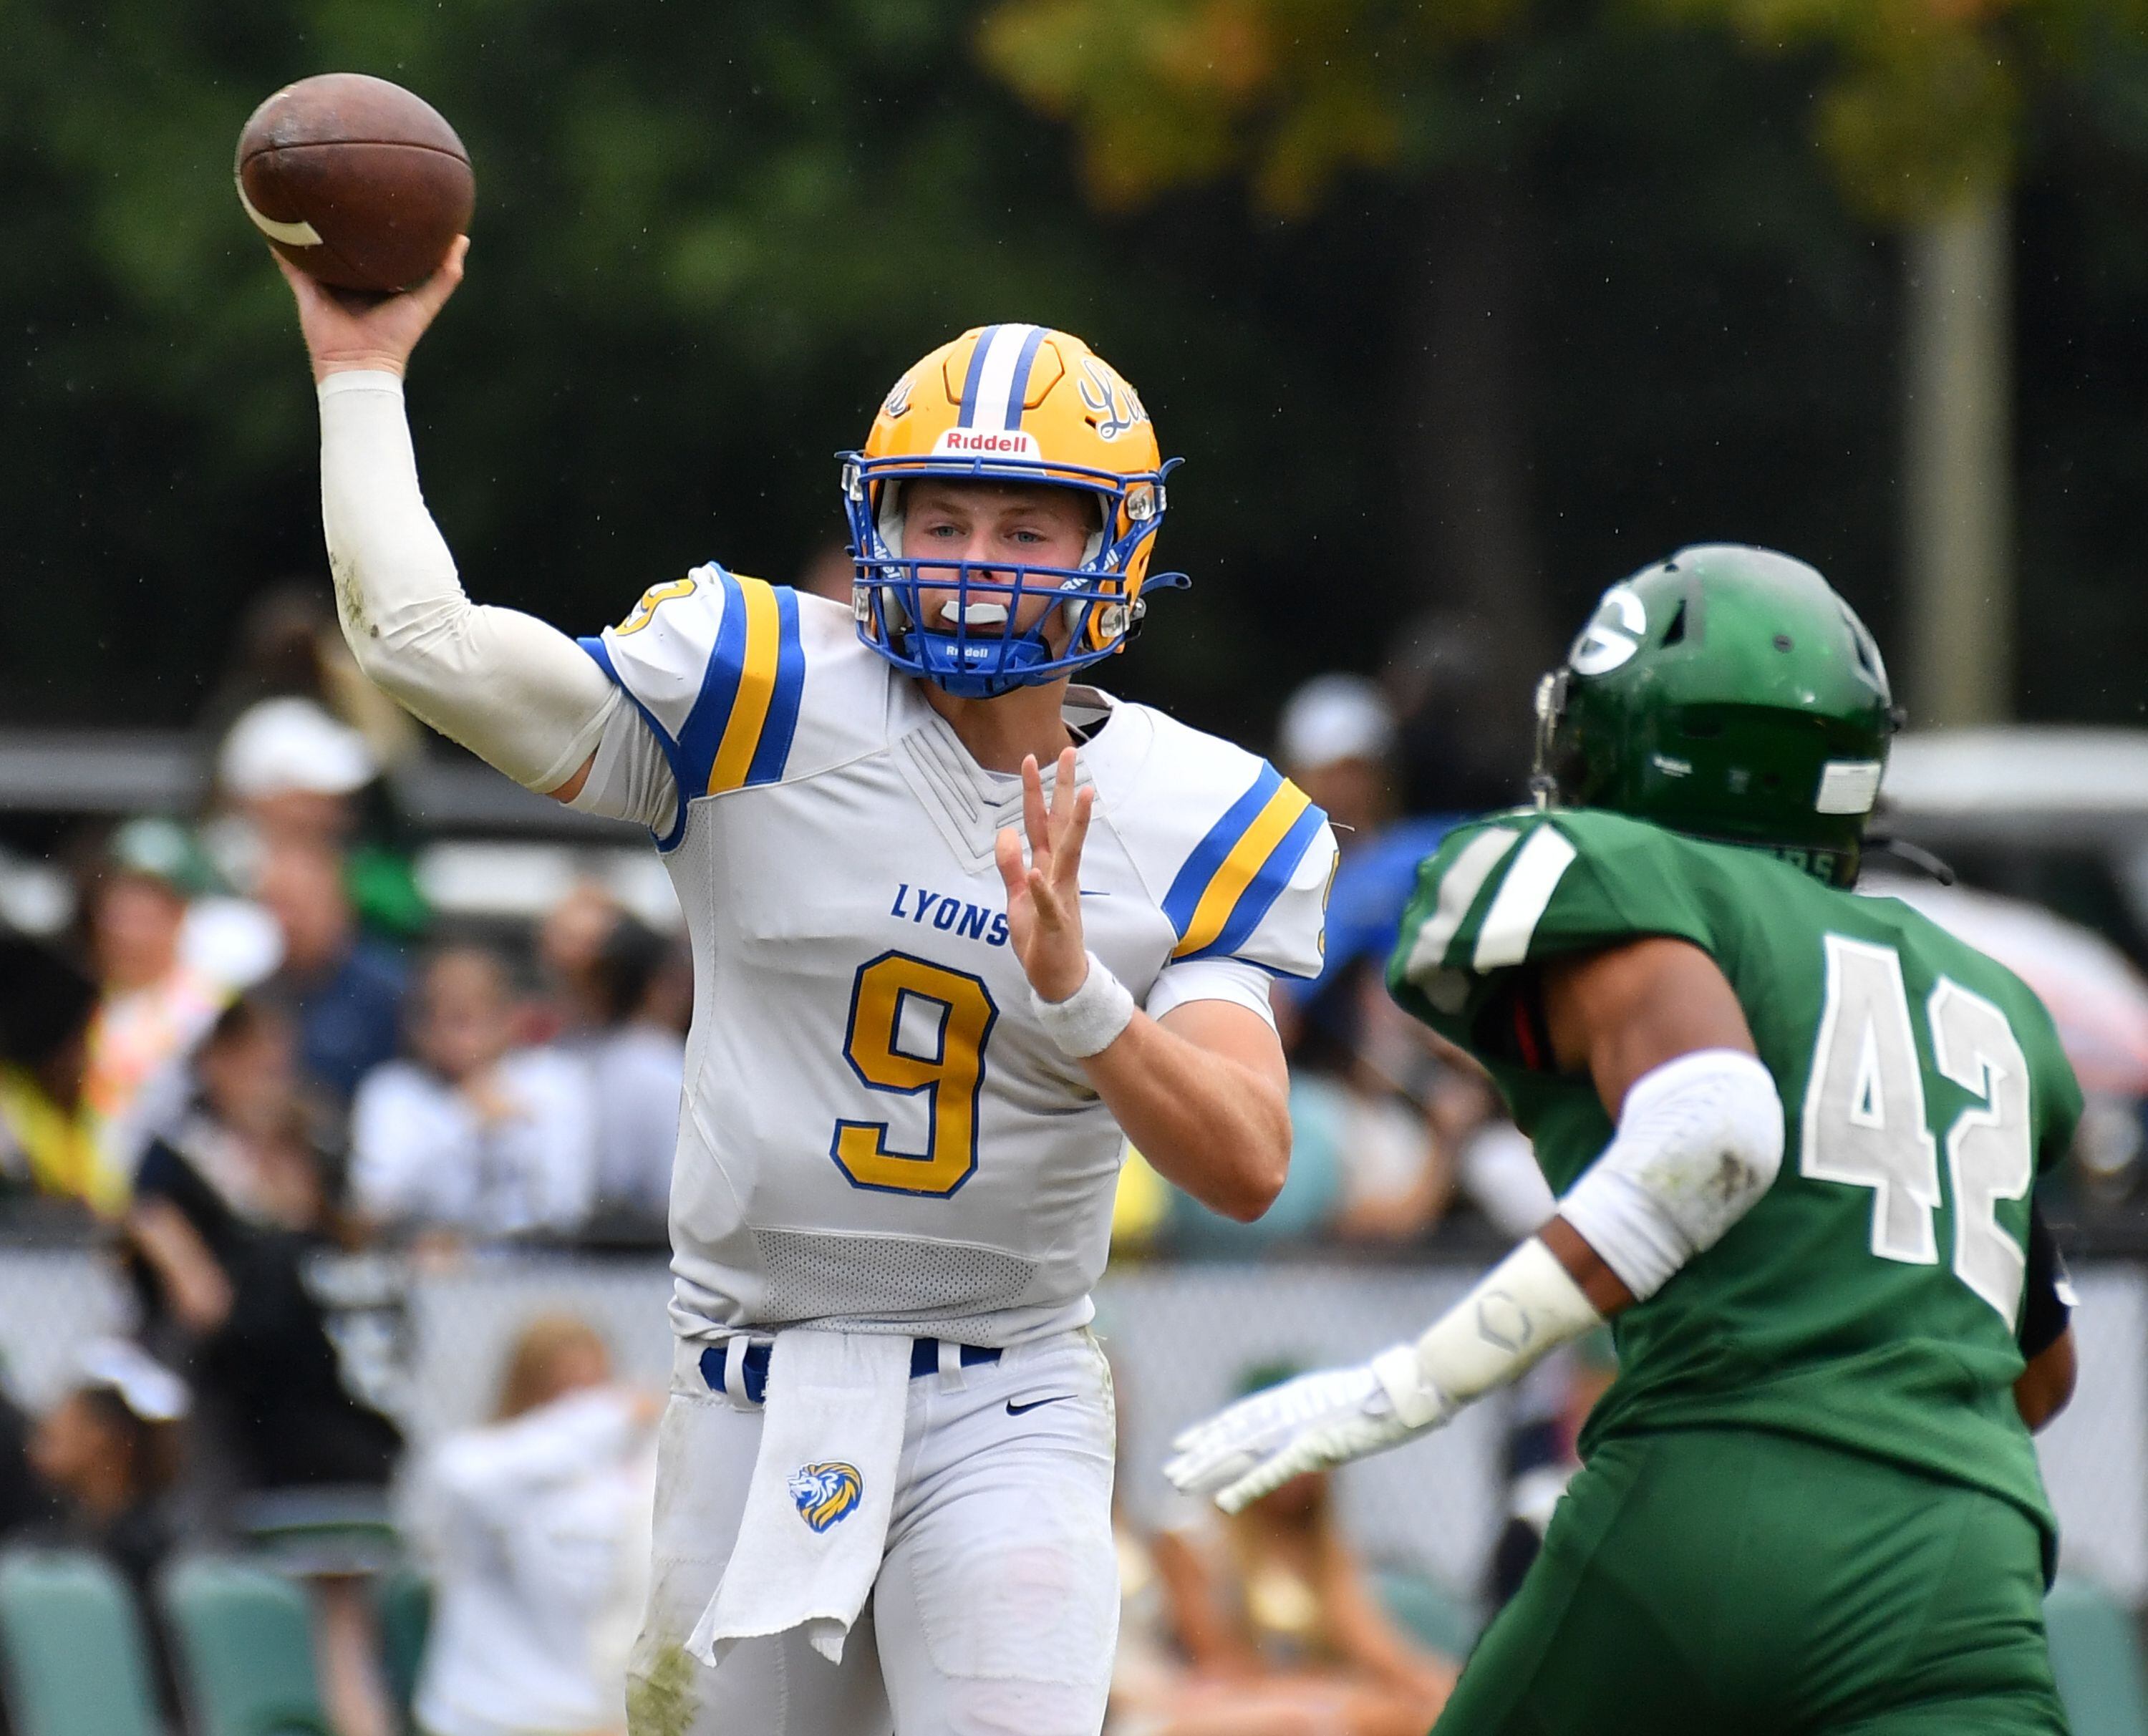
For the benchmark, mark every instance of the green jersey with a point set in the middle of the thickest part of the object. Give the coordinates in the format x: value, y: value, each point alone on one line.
x: 1869, y: 1299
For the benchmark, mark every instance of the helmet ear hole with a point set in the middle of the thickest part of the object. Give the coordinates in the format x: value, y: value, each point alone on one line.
x: 1675, y: 633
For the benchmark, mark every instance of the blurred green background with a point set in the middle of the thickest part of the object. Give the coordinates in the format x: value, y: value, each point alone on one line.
x: 1457, y: 312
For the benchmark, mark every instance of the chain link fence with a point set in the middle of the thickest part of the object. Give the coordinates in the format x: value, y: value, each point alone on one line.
x: 1180, y: 1337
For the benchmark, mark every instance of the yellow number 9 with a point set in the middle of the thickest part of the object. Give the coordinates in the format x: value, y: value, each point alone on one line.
x: 952, y: 1078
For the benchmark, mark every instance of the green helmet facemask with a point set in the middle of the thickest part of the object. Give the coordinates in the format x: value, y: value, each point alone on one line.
x: 1728, y: 693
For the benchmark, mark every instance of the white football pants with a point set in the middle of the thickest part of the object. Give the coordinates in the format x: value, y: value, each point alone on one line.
x: 996, y: 1609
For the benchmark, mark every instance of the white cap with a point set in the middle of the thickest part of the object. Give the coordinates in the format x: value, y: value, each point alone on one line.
x: 284, y: 744
x: 1333, y: 718
x: 145, y: 1386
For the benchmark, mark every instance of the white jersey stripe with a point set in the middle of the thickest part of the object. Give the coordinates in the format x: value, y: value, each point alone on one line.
x: 1457, y: 892
x: 996, y: 383
x: 1512, y: 922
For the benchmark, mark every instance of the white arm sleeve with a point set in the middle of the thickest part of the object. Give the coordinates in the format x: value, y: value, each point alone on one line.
x: 1210, y: 979
x: 516, y: 692
x: 631, y: 778
x: 1699, y: 1140
x: 396, y: 1144
x: 493, y: 1473
x: 1526, y: 1305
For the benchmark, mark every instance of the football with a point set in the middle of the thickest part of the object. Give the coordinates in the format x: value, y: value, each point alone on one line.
x: 355, y: 181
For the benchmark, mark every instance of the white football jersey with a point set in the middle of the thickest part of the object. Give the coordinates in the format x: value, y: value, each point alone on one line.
x: 876, y: 1132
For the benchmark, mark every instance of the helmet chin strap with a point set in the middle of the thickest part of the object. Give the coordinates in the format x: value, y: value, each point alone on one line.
x: 944, y: 669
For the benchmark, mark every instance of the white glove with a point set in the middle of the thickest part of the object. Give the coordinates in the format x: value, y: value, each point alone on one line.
x: 1306, y: 1424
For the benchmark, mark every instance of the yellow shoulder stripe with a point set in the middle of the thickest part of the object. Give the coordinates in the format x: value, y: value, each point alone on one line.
x: 1237, y: 871
x: 757, y: 687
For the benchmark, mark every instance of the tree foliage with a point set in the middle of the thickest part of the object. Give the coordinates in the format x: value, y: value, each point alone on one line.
x: 1921, y: 103
x: 708, y: 238
x: 1166, y: 93
x: 1925, y: 104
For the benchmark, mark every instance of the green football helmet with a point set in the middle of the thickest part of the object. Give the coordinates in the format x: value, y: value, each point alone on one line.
x: 1728, y: 693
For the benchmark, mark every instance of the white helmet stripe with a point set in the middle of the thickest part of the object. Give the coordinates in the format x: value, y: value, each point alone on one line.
x: 1006, y: 351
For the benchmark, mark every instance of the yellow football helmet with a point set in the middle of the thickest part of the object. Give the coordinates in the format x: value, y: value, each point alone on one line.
x: 1008, y: 403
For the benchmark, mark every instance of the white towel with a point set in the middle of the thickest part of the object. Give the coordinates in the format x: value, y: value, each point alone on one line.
x: 816, y: 1512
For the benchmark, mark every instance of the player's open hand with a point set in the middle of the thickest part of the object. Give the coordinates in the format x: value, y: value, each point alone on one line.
x: 344, y: 332
x: 1310, y: 1423
x: 1044, y: 896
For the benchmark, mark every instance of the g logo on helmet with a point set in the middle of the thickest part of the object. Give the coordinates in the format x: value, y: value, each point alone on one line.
x: 1614, y: 633
x: 826, y: 1492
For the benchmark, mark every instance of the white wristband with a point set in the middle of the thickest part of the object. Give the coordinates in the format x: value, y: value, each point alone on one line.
x: 1089, y: 1020
x: 1526, y: 1305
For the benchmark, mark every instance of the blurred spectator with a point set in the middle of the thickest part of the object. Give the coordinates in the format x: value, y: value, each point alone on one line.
x: 1361, y: 1072
x: 1466, y: 726
x: 1282, y: 1632
x: 1335, y: 741
x: 232, y: 1237
x: 473, y: 1136
x: 529, y: 1525
x: 154, y: 1002
x: 287, y: 643
x: 228, y: 1215
x: 291, y: 770
x: 569, y: 942
x: 108, y: 1454
x: 287, y: 771
x: 1497, y: 1168
x: 22, y: 1499
x: 346, y: 991
x: 49, y: 1142
x: 1371, y: 1108
x: 1142, y: 1207
x: 637, y: 1059
x: 1368, y: 1162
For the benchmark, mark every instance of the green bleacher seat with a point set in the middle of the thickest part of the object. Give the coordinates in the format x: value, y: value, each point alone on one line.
x: 73, y: 1659
x: 1427, y: 1612
x: 2096, y: 1654
x: 245, y: 1643
x: 403, y: 1599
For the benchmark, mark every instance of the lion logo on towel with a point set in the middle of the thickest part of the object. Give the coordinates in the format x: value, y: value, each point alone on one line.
x: 826, y: 1492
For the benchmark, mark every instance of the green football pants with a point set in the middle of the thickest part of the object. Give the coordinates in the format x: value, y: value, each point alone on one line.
x: 1732, y: 1581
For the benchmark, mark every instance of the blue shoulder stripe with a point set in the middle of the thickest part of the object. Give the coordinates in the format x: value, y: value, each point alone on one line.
x: 1193, y: 876
x: 1267, y: 885
x: 774, y: 748
x: 597, y: 649
x: 704, y: 730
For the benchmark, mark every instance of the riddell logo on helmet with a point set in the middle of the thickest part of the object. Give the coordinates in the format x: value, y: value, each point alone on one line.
x: 985, y: 443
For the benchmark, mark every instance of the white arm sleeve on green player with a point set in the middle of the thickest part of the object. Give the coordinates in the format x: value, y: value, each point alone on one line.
x: 514, y: 691
x: 1525, y: 1306
x: 1699, y: 1140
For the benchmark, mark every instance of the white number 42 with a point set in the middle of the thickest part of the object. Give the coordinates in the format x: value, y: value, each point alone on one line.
x: 1864, y: 1117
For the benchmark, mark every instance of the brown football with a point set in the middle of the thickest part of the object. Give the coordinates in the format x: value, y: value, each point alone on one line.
x: 355, y: 181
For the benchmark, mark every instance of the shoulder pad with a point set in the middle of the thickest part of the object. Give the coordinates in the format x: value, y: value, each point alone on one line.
x: 1524, y: 886
x: 717, y: 663
x: 1236, y: 856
